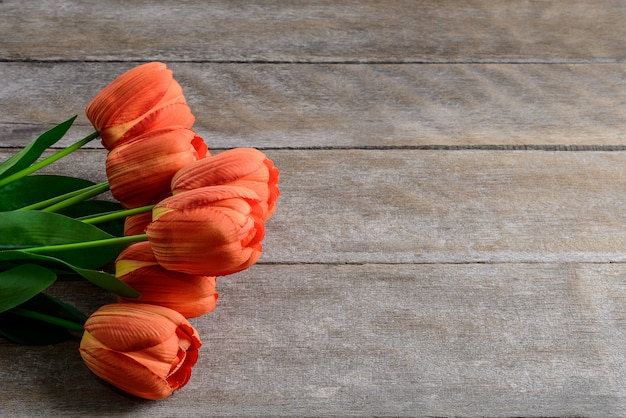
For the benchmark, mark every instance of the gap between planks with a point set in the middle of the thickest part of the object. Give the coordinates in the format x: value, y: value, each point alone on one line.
x: 365, y: 61
x: 434, y: 147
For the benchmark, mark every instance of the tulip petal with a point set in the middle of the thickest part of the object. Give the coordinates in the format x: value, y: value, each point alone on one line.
x: 143, y: 99
x: 134, y: 257
x: 173, y: 115
x: 191, y: 295
x: 119, y: 102
x: 222, y: 168
x: 158, y: 358
x: 133, y: 335
x: 134, y: 327
x: 126, y: 373
x: 244, y: 167
x: 200, y: 148
x: 188, y: 356
x: 140, y: 171
x: 207, y: 231
x: 136, y: 224
x: 144, y: 369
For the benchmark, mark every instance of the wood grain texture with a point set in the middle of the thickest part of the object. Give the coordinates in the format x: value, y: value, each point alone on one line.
x: 418, y: 206
x: 450, y: 236
x: 314, y: 31
x: 302, y: 106
x: 371, y: 340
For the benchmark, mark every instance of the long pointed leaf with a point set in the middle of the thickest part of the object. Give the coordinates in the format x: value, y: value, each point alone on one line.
x: 23, y: 330
x: 27, y: 331
x: 36, y: 188
x: 52, y: 306
x: 104, y: 280
x: 33, y: 151
x: 26, y: 229
x: 107, y: 282
x: 23, y: 282
x: 93, y: 207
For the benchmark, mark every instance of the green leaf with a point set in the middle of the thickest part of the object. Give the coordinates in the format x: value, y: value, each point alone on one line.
x: 26, y: 229
x: 21, y: 283
x: 108, y: 282
x: 104, y: 280
x: 54, y: 307
x: 36, y: 188
x: 33, y: 151
x: 94, y: 207
x: 23, y: 330
x: 28, y: 331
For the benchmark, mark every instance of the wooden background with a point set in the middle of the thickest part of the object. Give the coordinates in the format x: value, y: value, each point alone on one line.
x: 451, y: 235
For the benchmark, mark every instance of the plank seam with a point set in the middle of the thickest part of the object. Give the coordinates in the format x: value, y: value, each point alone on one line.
x: 487, y: 61
x: 493, y: 147
x: 480, y: 147
x: 428, y: 263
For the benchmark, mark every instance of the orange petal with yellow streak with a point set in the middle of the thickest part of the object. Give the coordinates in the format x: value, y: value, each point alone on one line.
x: 140, y: 171
x: 207, y: 231
x: 245, y: 167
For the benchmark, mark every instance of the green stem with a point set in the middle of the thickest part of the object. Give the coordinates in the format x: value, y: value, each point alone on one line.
x: 116, y: 215
x: 85, y: 194
x: 86, y: 244
x: 57, y: 199
x: 48, y: 318
x: 47, y: 161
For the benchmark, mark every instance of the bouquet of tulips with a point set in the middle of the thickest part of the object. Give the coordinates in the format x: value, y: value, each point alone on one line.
x: 183, y: 217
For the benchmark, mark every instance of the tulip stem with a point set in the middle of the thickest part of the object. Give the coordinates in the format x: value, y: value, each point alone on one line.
x: 115, y: 215
x: 85, y: 193
x: 48, y: 318
x: 47, y: 161
x: 86, y: 244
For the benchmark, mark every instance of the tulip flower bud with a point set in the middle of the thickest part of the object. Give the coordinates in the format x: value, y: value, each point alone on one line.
x: 140, y: 172
x: 246, y: 167
x: 191, y: 295
x: 145, y: 350
x: 143, y: 99
x: 210, y: 231
x: 137, y: 224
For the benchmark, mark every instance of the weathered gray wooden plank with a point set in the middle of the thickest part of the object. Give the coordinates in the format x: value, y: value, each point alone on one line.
x: 347, y: 105
x: 408, y: 206
x: 372, y: 340
x: 394, y: 282
x: 457, y: 206
x: 313, y: 31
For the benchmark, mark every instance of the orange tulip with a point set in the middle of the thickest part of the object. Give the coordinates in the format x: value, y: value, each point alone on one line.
x: 247, y: 167
x: 143, y: 99
x: 145, y: 350
x: 140, y: 171
x: 210, y: 231
x: 137, y: 224
x: 191, y: 295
